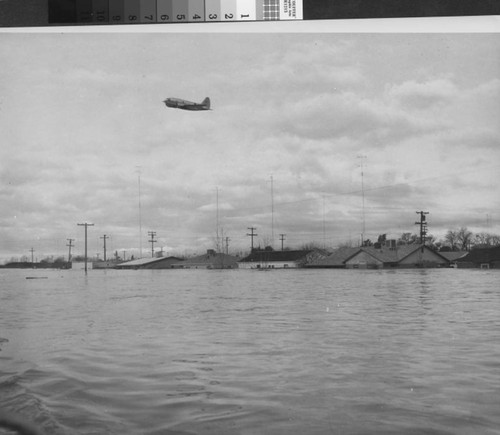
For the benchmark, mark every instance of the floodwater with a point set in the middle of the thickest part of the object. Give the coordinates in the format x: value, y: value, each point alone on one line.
x: 252, y: 352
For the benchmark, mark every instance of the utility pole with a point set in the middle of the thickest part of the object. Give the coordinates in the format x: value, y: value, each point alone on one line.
x: 70, y: 245
x: 32, y: 261
x: 423, y: 227
x: 105, y: 237
x: 152, y: 234
x: 227, y: 245
x: 252, y: 235
x: 282, y: 237
x: 85, y: 225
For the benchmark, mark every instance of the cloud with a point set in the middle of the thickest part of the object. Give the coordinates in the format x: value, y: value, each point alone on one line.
x: 423, y: 110
x: 423, y: 95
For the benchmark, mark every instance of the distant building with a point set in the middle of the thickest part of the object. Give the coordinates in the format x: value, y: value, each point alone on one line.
x: 336, y: 260
x: 453, y: 256
x: 151, y: 263
x: 210, y: 260
x: 281, y: 259
x: 384, y: 256
x: 483, y: 258
x: 108, y: 264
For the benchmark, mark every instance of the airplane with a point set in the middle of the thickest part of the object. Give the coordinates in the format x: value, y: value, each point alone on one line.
x: 177, y: 103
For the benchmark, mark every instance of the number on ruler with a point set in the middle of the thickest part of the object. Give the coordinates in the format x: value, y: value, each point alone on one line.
x: 196, y: 17
x: 116, y: 18
x: 212, y: 16
x: 181, y: 17
x: 100, y: 15
x: 228, y: 16
x: 148, y: 17
x: 164, y: 17
x: 132, y: 17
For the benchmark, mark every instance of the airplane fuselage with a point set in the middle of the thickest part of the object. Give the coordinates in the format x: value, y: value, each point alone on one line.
x: 178, y: 103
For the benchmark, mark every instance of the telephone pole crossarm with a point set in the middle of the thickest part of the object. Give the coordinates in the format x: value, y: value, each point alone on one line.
x: 70, y: 245
x: 423, y: 227
x: 252, y: 235
x: 152, y: 240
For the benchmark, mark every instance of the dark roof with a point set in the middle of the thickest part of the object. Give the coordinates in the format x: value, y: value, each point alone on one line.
x: 267, y: 256
x: 453, y: 255
x: 482, y: 255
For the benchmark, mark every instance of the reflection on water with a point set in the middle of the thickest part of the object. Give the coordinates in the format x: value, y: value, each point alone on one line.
x: 240, y: 352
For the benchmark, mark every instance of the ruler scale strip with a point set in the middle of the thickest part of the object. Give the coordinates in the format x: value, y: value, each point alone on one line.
x: 170, y: 11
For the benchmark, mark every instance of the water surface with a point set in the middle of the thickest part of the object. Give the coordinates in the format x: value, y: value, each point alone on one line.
x: 247, y: 352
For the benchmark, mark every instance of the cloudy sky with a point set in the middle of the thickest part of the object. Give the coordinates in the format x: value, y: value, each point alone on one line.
x: 82, y: 118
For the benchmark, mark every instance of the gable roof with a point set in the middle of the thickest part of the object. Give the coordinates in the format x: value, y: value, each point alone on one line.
x: 336, y: 259
x: 386, y: 255
x: 339, y: 257
x: 144, y: 261
x: 453, y: 255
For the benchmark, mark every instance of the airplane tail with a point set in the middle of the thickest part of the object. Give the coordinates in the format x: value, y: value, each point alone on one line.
x: 206, y: 103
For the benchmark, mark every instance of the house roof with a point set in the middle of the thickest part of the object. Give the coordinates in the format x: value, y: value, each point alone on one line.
x: 482, y: 255
x: 453, y: 255
x: 144, y: 261
x: 387, y: 255
x: 339, y: 257
x: 336, y: 258
x: 269, y: 256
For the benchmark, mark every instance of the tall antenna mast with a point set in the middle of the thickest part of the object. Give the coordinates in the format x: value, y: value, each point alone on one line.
x: 324, y: 232
x: 363, y: 198
x: 140, y: 211
x: 272, y: 211
x: 217, y: 247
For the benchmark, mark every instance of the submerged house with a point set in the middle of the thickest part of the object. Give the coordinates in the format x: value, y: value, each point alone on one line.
x: 483, y: 258
x: 210, y: 260
x: 335, y: 260
x: 151, y: 263
x: 387, y: 256
x: 269, y: 259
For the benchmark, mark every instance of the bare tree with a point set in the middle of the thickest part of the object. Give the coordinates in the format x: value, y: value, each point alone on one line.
x: 408, y: 239
x: 451, y: 238
x: 464, y: 238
